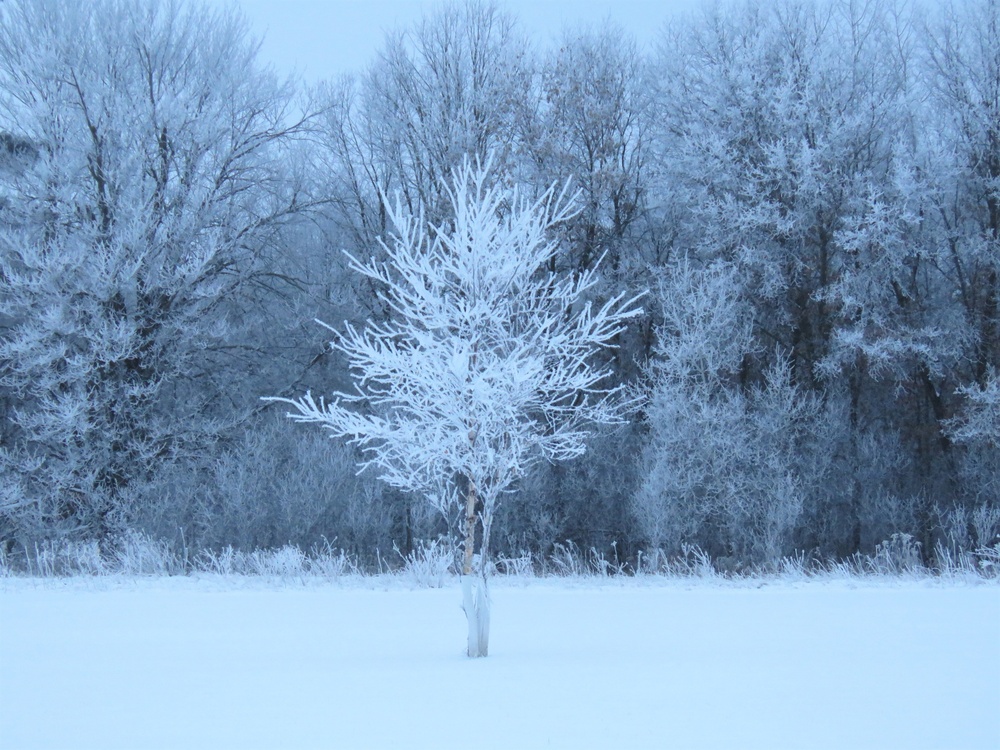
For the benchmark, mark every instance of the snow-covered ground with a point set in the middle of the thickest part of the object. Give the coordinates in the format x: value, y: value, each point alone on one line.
x: 227, y: 663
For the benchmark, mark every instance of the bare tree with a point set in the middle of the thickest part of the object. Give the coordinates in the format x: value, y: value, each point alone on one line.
x: 455, y: 84
x: 594, y: 129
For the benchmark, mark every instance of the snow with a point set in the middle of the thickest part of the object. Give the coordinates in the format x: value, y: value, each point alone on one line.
x: 225, y: 663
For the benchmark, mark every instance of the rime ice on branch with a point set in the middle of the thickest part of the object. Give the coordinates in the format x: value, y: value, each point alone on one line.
x: 490, y: 362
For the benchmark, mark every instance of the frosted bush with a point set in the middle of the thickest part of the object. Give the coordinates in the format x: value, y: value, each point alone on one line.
x: 329, y: 562
x: 285, y: 562
x: 429, y: 563
x: 520, y: 566
x: 967, y: 539
x: 898, y: 554
x: 986, y: 523
x: 650, y: 562
x: 65, y: 557
x: 693, y: 561
x: 222, y: 562
x: 951, y: 562
x: 793, y: 566
x: 567, y: 560
x: 602, y: 566
x: 989, y: 560
x: 136, y: 553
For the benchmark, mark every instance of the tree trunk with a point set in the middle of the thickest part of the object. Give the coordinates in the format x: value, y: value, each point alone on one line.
x: 470, y: 529
x: 476, y: 603
x: 475, y: 596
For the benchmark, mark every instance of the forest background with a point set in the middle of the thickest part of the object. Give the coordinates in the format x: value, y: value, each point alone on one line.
x: 810, y: 191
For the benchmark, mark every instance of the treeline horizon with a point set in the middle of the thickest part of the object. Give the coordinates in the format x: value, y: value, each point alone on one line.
x: 809, y: 192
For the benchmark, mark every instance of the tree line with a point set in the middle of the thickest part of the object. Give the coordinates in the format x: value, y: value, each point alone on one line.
x: 808, y: 193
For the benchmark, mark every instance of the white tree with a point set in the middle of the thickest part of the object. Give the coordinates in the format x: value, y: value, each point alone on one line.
x: 490, y: 363
x: 779, y: 126
x: 728, y: 465
x: 786, y: 145
x: 963, y: 74
x: 981, y: 418
x: 151, y: 185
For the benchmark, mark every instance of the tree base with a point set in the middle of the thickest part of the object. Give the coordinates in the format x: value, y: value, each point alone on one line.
x: 476, y: 603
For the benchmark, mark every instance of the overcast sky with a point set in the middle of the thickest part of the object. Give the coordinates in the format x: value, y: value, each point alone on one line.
x: 324, y: 38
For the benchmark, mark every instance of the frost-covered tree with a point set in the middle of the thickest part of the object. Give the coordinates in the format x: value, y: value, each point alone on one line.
x: 136, y: 229
x: 778, y: 122
x: 963, y: 52
x: 489, y: 363
x: 594, y: 129
x: 982, y: 416
x: 728, y: 466
x: 454, y: 84
x: 787, y: 144
x: 962, y: 59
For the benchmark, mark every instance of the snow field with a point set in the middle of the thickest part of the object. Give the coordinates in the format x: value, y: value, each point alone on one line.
x: 209, y: 663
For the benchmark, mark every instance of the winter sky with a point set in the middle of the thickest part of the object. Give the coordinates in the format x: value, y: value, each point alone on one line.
x: 324, y: 38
